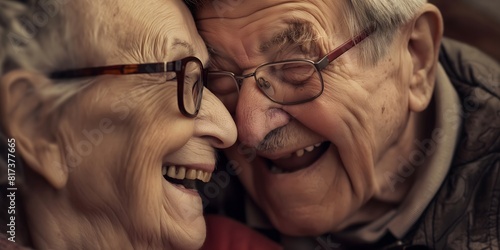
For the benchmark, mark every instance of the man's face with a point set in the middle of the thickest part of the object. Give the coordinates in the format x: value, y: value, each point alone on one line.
x: 121, y: 132
x: 311, y: 167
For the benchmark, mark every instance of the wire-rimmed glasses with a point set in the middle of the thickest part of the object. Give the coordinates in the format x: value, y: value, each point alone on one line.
x: 190, y: 74
x: 286, y: 82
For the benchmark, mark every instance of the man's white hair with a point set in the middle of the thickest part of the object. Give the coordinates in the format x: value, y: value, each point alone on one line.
x: 383, y: 15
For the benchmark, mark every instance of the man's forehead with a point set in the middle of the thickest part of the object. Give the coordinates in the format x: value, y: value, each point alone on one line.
x: 231, y: 9
x: 262, y: 34
x: 269, y: 22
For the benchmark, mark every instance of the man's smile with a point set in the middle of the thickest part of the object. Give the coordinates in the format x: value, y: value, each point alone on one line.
x: 298, y: 160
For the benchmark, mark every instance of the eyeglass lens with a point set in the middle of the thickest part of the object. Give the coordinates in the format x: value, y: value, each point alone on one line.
x: 289, y: 82
x: 224, y: 86
x: 193, y: 86
x: 283, y: 82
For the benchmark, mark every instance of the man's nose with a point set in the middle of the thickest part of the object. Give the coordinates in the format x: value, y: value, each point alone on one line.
x: 257, y: 115
x: 214, y: 123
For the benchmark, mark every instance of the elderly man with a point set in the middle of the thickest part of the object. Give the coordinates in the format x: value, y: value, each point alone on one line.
x: 357, y: 123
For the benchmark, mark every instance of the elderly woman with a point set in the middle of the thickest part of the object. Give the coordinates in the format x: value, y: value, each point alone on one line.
x: 107, y: 127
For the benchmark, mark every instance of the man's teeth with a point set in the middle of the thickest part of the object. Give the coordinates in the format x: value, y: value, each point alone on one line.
x: 301, y: 152
x: 276, y: 170
x: 180, y: 173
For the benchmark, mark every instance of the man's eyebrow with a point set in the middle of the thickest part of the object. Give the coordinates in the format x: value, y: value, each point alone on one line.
x: 298, y: 31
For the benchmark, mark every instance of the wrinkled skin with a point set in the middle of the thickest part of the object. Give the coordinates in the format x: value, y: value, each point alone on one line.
x: 95, y: 172
x: 369, y: 114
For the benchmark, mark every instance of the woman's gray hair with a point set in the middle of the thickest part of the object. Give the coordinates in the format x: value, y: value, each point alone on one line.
x: 385, y: 16
x: 36, y: 36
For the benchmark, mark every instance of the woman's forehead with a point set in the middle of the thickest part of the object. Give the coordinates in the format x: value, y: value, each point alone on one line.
x: 156, y: 32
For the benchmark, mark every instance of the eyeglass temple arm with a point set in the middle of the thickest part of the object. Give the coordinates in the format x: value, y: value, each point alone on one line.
x: 115, y: 70
x: 344, y: 48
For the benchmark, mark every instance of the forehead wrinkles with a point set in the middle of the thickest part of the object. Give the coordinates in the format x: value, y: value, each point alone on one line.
x: 240, y: 32
x: 148, y: 33
x: 147, y: 39
x: 325, y: 12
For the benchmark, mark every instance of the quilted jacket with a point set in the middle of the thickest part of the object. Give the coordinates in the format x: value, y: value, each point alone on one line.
x: 465, y: 213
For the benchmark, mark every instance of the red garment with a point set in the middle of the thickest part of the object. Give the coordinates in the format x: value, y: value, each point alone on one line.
x: 226, y: 234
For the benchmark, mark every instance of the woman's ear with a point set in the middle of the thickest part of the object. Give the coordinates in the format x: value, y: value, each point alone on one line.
x: 24, y: 118
x: 425, y: 34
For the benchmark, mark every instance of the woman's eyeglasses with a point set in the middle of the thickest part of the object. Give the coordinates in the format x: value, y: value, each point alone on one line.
x: 190, y: 74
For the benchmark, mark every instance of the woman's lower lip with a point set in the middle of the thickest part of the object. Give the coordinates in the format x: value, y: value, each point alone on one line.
x: 185, y: 190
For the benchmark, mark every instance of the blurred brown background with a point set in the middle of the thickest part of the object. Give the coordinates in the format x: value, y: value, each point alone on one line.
x: 476, y: 22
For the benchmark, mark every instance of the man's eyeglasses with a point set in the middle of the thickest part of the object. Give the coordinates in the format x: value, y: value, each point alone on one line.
x: 190, y: 74
x: 287, y: 82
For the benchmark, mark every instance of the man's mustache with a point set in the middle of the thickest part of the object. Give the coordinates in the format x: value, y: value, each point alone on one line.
x: 274, y: 140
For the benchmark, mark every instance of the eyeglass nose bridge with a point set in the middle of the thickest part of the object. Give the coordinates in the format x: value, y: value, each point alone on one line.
x: 239, y: 79
x: 264, y: 86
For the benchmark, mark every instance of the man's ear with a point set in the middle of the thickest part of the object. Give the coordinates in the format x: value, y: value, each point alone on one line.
x: 426, y: 32
x: 24, y: 118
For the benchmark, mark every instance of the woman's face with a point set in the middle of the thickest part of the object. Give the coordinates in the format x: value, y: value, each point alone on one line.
x: 122, y: 134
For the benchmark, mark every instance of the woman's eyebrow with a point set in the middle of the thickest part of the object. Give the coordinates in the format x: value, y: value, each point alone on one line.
x: 183, y: 48
x: 297, y: 31
x: 183, y: 44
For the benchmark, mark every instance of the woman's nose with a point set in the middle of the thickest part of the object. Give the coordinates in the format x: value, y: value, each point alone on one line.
x: 214, y: 123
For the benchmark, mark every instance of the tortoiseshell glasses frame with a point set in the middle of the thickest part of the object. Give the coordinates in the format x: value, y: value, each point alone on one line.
x: 190, y: 74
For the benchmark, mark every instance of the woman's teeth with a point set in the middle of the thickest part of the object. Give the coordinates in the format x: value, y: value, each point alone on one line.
x: 181, y: 173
